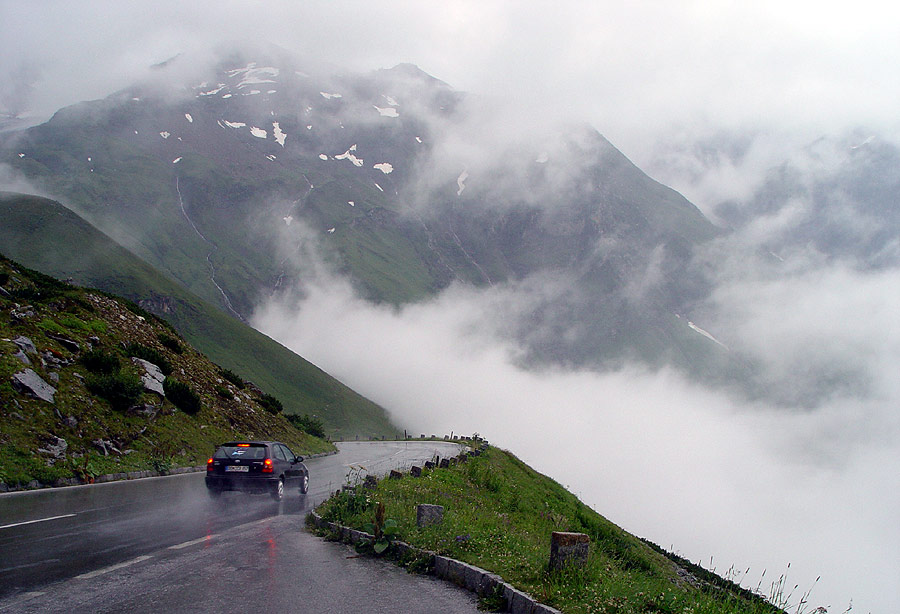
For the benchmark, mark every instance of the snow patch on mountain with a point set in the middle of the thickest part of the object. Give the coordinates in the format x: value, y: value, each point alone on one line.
x: 384, y: 167
x: 270, y: 157
x: 227, y: 96
x: 864, y: 143
x: 177, y: 160
x: 328, y: 96
x: 323, y: 157
x: 351, y: 203
x: 188, y: 117
x: 379, y: 187
x: 696, y: 328
x: 349, y: 155
x: 258, y: 132
x: 231, y: 124
x: 253, y: 75
x: 278, y: 134
x: 461, y: 182
x: 164, y: 134
x: 288, y: 220
x: 418, y: 140
x: 219, y: 88
x: 387, y: 111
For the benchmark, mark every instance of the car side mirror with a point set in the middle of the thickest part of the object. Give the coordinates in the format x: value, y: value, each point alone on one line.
x: 298, y: 459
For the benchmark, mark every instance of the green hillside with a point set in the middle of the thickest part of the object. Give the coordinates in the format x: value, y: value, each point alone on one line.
x: 44, y: 235
x: 78, y: 401
x: 499, y: 514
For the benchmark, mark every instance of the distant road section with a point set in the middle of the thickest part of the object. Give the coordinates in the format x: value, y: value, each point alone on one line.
x: 160, y: 544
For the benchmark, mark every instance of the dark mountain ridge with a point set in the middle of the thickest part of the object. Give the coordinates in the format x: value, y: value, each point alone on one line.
x: 229, y: 183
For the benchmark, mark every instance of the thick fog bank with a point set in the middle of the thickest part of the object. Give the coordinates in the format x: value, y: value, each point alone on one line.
x: 693, y: 469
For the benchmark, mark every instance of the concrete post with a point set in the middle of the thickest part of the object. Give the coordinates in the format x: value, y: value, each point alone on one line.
x: 568, y: 549
x: 429, y: 514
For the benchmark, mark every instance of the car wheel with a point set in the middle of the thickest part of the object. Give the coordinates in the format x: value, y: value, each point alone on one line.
x: 304, y: 484
x: 278, y: 490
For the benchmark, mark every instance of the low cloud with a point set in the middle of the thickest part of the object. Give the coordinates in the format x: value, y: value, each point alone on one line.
x: 691, y: 468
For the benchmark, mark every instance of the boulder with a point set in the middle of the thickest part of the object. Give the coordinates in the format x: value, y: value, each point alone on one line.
x: 152, y: 378
x: 29, y: 382
x: 56, y: 447
x: 25, y: 344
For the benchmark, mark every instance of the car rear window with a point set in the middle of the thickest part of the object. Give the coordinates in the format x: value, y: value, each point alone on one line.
x: 248, y: 452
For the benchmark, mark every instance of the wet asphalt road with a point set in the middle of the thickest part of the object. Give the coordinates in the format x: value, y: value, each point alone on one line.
x: 161, y: 545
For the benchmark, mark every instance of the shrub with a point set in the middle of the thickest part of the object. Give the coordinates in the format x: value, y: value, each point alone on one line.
x: 51, y: 326
x: 149, y: 354
x: 122, y: 389
x: 232, y: 377
x: 308, y: 424
x: 170, y: 343
x: 4, y: 277
x: 223, y: 392
x: 182, y: 396
x: 100, y: 362
x: 271, y: 404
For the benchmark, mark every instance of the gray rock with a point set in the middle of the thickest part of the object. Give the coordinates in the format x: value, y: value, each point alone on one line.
x: 25, y: 344
x: 23, y: 358
x: 105, y: 446
x: 70, y: 421
x: 55, y: 448
x: 67, y: 343
x: 29, y: 382
x: 153, y: 377
x: 54, y: 377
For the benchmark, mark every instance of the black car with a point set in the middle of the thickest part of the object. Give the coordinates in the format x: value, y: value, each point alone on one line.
x: 255, y: 466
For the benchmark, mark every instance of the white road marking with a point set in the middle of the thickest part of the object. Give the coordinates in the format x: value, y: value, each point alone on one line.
x: 100, y: 572
x: 192, y: 542
x: 19, y: 524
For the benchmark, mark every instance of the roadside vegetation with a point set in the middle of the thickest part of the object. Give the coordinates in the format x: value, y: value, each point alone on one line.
x: 499, y: 514
x: 101, y: 418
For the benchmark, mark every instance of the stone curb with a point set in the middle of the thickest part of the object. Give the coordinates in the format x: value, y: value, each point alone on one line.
x: 469, y: 577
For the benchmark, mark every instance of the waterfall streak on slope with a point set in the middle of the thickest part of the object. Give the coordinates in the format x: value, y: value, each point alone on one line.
x: 214, y: 247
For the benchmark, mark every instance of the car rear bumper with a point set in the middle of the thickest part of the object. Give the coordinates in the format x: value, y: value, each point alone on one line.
x: 243, y: 483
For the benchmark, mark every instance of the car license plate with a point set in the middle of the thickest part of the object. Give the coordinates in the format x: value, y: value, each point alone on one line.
x: 243, y: 468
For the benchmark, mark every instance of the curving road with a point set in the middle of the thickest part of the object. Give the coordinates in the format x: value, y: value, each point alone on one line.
x: 160, y: 545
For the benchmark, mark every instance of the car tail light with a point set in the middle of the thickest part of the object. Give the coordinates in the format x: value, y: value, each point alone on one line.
x: 267, y: 466
x: 243, y: 445
x: 209, y: 465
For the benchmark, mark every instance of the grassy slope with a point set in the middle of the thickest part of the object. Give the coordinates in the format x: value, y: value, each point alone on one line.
x: 44, y: 235
x: 499, y: 514
x: 159, y: 438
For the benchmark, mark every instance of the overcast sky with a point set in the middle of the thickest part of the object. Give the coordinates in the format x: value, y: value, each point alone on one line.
x: 635, y: 70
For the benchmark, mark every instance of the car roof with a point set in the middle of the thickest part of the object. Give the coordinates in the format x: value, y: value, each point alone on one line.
x: 251, y: 442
